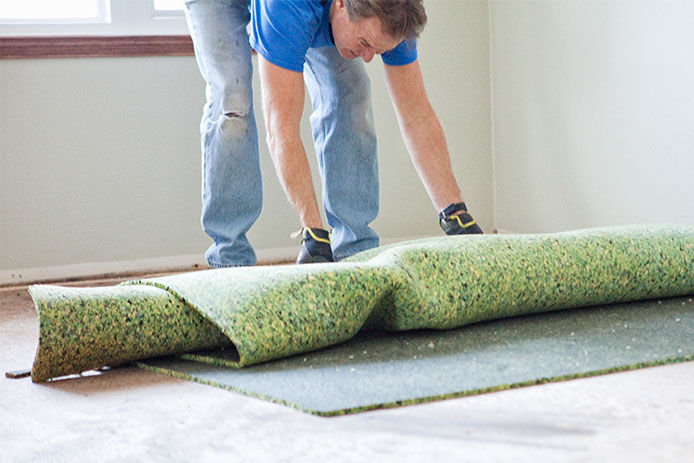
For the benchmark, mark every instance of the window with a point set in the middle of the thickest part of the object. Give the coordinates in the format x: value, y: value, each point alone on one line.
x: 91, y: 17
x: 92, y: 28
x: 167, y: 7
x: 43, y: 11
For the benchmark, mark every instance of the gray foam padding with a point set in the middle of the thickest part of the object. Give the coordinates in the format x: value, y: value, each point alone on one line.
x: 377, y: 369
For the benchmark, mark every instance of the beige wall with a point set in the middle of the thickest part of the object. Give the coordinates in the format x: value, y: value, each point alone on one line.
x: 99, y: 158
x: 593, y: 113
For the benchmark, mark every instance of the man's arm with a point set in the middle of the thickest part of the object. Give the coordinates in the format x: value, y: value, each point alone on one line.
x: 422, y: 133
x: 283, y: 102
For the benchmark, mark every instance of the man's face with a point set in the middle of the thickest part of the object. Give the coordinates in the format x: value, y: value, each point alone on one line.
x: 361, y: 39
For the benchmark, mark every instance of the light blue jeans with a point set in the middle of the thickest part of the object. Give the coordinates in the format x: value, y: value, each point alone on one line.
x: 343, y: 134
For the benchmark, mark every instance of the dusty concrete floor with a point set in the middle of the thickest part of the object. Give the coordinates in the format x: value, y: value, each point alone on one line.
x: 134, y: 415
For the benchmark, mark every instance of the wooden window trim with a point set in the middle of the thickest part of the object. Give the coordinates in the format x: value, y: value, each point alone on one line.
x: 32, y: 47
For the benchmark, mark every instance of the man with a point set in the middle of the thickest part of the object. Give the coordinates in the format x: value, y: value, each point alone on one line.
x: 320, y: 44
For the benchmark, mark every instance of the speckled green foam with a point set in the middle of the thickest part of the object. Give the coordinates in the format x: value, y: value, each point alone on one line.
x: 266, y: 313
x: 379, y: 369
x: 84, y: 328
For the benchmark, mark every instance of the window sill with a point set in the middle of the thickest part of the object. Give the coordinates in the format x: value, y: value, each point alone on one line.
x: 95, y: 46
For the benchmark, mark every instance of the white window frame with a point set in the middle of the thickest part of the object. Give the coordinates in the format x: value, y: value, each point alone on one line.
x: 120, y: 18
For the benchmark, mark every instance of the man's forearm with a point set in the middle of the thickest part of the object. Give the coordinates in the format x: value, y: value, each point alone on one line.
x: 422, y: 134
x: 426, y: 144
x: 283, y: 101
x: 291, y: 165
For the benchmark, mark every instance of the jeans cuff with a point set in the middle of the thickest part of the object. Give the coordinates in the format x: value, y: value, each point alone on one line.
x: 214, y: 265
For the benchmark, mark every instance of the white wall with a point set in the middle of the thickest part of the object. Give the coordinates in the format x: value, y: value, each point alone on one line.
x: 99, y: 158
x: 593, y: 113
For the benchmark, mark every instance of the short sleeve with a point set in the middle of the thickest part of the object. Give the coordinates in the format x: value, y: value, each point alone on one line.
x: 282, y: 31
x: 404, y: 53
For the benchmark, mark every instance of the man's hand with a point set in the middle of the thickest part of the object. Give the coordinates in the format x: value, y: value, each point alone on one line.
x: 283, y: 102
x: 422, y: 133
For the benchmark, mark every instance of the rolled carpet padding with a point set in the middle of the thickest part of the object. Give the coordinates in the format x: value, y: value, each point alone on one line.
x: 85, y: 328
x: 266, y: 313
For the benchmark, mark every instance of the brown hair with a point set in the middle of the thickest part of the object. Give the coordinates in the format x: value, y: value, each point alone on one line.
x: 401, y: 19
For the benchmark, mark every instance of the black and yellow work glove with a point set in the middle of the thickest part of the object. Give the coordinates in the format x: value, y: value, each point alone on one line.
x: 315, y: 246
x: 458, y: 224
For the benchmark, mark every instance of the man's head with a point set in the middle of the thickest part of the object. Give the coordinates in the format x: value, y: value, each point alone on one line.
x: 363, y: 28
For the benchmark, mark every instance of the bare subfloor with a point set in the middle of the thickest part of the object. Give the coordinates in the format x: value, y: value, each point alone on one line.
x: 133, y: 415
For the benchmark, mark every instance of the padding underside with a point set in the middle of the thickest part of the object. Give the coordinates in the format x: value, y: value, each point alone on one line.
x: 378, y: 370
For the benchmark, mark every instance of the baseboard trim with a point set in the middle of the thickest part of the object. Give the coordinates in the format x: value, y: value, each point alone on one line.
x: 503, y: 231
x: 131, y: 268
x: 127, y: 268
x: 99, y: 270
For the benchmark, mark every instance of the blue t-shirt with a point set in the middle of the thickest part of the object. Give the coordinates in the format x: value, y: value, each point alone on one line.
x: 283, y: 30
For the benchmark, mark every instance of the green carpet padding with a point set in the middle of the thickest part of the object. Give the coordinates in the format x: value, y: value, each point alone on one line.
x: 266, y: 313
x: 379, y: 369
